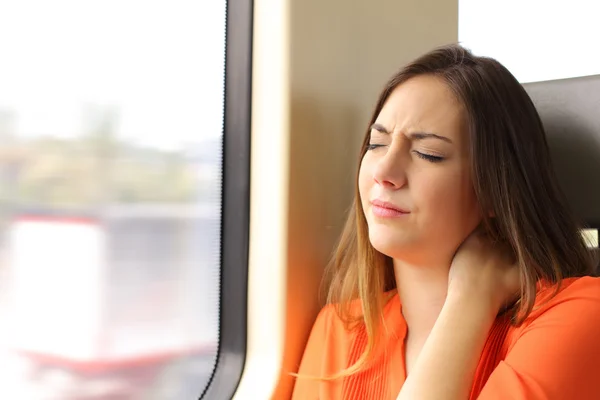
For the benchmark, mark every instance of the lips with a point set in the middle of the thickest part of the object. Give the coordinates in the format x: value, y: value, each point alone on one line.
x: 384, y: 209
x: 388, y: 206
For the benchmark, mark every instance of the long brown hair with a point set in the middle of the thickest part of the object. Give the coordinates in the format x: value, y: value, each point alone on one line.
x: 512, y: 176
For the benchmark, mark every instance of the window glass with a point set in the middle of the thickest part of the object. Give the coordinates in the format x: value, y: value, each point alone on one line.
x: 111, y: 121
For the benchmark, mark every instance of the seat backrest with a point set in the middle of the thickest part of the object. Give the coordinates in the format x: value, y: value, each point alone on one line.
x: 570, y: 112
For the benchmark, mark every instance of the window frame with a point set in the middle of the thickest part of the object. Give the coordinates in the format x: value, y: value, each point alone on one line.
x: 235, y: 215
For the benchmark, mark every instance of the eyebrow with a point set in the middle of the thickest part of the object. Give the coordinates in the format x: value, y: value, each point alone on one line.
x: 414, y: 135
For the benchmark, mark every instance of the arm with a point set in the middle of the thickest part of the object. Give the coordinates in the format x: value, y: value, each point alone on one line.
x: 451, y: 353
x: 482, y: 278
x: 555, y: 356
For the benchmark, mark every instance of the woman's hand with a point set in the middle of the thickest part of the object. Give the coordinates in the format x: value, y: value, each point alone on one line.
x: 484, y: 271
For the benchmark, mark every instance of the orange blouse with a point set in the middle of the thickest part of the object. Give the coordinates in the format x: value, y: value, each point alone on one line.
x: 554, y: 354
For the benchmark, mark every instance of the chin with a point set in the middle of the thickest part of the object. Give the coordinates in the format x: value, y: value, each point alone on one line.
x: 389, y: 245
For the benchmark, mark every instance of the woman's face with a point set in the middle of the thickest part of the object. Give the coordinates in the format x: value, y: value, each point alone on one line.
x: 414, y: 181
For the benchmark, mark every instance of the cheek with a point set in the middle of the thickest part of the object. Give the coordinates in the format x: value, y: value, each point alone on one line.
x: 448, y: 202
x: 365, y: 182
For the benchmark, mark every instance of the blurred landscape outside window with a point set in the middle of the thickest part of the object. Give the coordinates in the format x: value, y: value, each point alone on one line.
x: 111, y: 123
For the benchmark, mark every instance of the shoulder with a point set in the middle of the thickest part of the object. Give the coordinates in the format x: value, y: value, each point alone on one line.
x: 330, y: 322
x: 337, y: 325
x: 336, y: 316
x: 555, y: 353
x: 327, y: 320
x: 336, y: 330
x: 327, y: 347
x: 576, y: 303
x: 329, y: 328
x: 573, y: 292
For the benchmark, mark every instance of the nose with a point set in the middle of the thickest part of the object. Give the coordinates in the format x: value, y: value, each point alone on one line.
x: 390, y: 170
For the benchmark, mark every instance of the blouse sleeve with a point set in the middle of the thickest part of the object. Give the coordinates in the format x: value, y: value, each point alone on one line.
x: 312, y: 359
x: 556, y: 356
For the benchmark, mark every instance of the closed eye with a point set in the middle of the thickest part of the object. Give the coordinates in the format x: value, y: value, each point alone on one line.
x: 429, y: 157
x: 374, y: 146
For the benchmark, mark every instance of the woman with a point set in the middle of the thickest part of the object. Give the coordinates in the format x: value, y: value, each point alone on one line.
x: 461, y: 272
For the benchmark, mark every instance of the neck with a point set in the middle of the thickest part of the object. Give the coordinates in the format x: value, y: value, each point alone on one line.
x: 422, y: 292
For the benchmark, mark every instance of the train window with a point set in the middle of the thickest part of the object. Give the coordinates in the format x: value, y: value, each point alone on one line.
x: 112, y: 127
